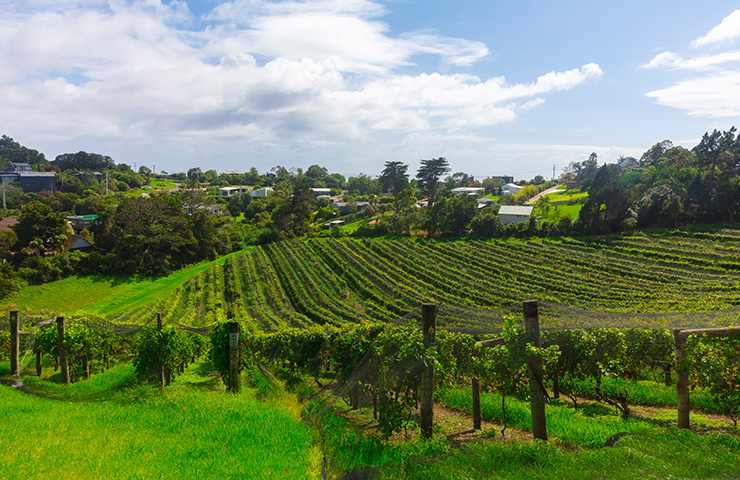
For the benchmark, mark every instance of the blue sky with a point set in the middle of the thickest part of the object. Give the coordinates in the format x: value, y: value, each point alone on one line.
x: 497, y: 87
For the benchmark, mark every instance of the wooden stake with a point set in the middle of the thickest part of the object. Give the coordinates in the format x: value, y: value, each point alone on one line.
x: 234, y: 358
x: 534, y: 366
x: 428, y: 329
x: 39, y: 357
x: 476, y: 404
x: 15, y: 344
x: 62, y: 351
x: 682, y: 380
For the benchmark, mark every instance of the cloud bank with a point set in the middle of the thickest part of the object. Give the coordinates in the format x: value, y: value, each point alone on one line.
x: 251, y: 70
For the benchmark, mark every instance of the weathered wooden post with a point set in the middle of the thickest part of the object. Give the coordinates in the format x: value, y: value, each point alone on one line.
x: 234, y: 357
x: 682, y: 380
x: 534, y: 366
x: 15, y: 344
x: 476, y: 403
x: 428, y: 328
x: 62, y: 350
x: 161, y: 353
x: 39, y: 365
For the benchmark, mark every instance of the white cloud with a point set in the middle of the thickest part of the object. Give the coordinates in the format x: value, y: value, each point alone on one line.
x: 265, y: 72
x: 674, y: 61
x: 728, y: 29
x: 717, y: 95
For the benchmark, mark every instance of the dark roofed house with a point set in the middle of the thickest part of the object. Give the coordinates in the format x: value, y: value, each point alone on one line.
x: 78, y: 242
x: 30, y: 181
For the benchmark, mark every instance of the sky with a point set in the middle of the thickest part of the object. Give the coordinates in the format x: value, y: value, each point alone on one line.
x: 496, y: 87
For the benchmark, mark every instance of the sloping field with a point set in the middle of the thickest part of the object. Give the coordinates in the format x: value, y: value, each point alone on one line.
x: 320, y: 281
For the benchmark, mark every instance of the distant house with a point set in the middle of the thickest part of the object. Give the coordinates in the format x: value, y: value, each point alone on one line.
x: 509, y: 214
x: 263, y: 192
x: 29, y: 180
x: 321, y: 192
x: 347, y: 207
x: 78, y: 242
x: 484, y: 202
x: 7, y: 224
x: 228, y: 192
x: 504, y: 179
x: 468, y: 191
x: 82, y: 221
x: 510, y: 189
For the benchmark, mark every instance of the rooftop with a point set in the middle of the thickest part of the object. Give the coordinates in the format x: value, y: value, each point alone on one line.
x: 519, y: 210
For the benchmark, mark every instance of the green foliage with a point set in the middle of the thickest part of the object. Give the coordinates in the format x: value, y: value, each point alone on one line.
x: 169, y: 348
x: 40, y: 230
x: 716, y: 367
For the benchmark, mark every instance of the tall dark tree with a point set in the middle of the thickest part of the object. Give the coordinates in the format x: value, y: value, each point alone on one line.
x: 651, y: 156
x: 394, y: 177
x: 83, y: 161
x: 12, y: 151
x: 40, y: 229
x: 429, y: 174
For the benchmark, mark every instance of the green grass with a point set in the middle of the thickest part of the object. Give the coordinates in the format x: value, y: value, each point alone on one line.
x: 644, y: 392
x: 647, y: 455
x: 567, y: 196
x: 194, y: 431
x: 100, y: 295
x: 564, y: 423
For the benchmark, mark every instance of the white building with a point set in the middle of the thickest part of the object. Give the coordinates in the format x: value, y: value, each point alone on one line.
x: 510, y: 189
x: 227, y: 192
x: 509, y: 214
x: 321, y: 192
x: 261, y: 192
x: 469, y: 191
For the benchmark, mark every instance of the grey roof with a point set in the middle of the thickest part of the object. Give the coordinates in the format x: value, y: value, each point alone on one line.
x: 518, y: 210
x: 36, y: 174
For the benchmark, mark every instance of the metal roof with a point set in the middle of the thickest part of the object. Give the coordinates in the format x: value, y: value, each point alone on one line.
x: 520, y: 210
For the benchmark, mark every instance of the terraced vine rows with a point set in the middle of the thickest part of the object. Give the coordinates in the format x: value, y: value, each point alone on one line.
x: 333, y: 281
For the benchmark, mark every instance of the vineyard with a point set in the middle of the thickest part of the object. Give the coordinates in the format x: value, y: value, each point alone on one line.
x: 633, y: 280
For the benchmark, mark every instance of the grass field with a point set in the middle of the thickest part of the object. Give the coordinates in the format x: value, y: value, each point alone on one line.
x: 105, y: 296
x: 109, y: 428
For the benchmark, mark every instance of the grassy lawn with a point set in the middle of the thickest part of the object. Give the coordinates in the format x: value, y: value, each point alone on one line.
x: 106, y: 429
x: 105, y: 296
x: 572, y: 195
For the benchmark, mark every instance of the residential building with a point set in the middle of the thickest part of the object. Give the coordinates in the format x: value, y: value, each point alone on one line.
x: 469, y: 191
x: 509, y: 214
x: 29, y: 180
x: 510, y: 189
x: 263, y: 192
x: 228, y: 192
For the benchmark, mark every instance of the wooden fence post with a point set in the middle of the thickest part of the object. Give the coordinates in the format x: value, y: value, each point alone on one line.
x: 161, y: 348
x: 62, y: 350
x: 476, y: 403
x: 428, y: 329
x: 234, y: 358
x: 39, y: 358
x: 682, y: 380
x: 534, y: 366
x: 15, y: 344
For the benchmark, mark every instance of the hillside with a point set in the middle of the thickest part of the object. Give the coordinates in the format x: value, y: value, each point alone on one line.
x: 303, y: 282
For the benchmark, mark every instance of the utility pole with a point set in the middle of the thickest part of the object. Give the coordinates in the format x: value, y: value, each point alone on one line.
x: 106, y: 182
x: 553, y: 171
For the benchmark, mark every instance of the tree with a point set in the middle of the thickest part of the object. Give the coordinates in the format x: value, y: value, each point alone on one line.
x: 651, y: 156
x: 394, y: 177
x: 195, y: 175
x: 151, y: 236
x: 12, y: 151
x: 293, y: 216
x: 451, y: 215
x: 40, y: 229
x: 83, y: 161
x: 363, y: 185
x: 429, y: 175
